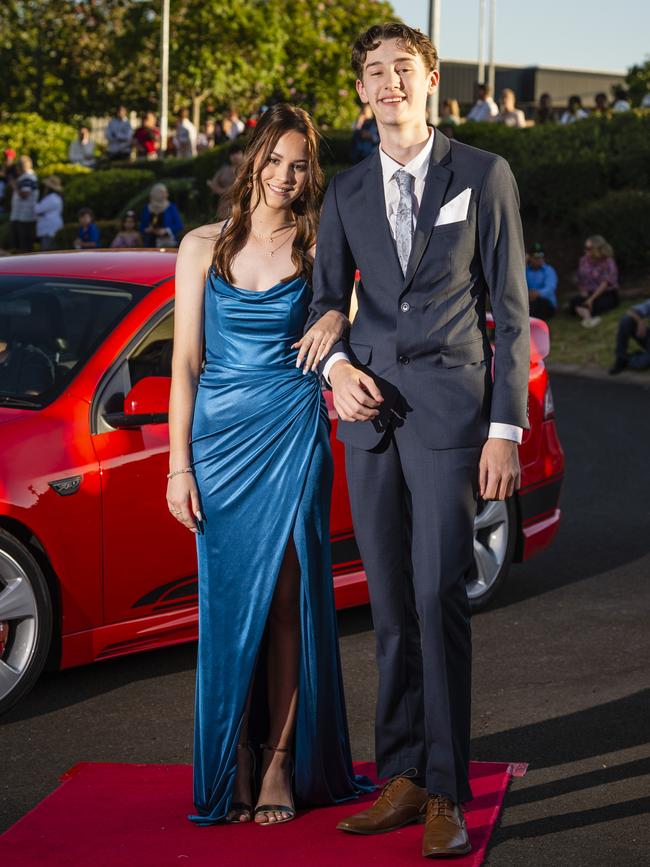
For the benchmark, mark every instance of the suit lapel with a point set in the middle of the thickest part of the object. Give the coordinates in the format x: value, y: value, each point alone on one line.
x: 373, y: 193
x: 438, y: 178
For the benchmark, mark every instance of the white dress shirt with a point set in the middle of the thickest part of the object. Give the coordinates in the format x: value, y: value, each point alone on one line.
x: 483, y: 110
x: 418, y: 167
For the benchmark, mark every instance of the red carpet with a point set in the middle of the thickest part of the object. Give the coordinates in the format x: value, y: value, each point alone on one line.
x: 115, y: 815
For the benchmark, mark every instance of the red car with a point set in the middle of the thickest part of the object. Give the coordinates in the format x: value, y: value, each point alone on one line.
x: 91, y: 563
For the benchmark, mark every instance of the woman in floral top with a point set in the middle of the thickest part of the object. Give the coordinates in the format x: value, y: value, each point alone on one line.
x: 597, y: 280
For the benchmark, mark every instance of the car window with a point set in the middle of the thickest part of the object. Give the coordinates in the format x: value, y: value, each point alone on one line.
x: 153, y: 355
x: 149, y: 354
x: 49, y: 327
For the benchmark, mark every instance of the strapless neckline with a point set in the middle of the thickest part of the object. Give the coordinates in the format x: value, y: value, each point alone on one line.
x: 254, y: 291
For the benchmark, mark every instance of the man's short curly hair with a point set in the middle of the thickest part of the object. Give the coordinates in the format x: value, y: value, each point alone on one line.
x: 413, y: 40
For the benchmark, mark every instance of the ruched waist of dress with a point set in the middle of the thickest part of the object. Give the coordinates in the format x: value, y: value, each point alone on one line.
x: 286, y: 370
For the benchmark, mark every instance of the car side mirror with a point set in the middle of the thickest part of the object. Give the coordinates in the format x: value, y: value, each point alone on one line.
x: 146, y: 403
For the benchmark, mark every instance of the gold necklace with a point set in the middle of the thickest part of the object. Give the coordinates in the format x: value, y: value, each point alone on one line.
x: 286, y: 240
x: 273, y: 234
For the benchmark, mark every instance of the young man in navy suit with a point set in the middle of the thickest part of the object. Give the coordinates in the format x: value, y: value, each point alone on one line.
x: 434, y: 228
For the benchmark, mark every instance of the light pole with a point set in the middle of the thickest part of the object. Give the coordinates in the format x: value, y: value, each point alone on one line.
x: 492, y: 40
x: 481, y: 42
x: 434, y: 35
x: 164, y: 75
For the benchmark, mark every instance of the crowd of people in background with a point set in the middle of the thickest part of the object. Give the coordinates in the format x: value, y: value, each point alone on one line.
x: 486, y: 110
x: 36, y: 207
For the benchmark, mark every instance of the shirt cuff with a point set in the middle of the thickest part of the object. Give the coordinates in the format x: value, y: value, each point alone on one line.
x: 501, y: 431
x: 338, y: 356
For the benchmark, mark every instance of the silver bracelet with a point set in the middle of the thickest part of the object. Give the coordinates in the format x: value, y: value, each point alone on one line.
x: 178, y: 472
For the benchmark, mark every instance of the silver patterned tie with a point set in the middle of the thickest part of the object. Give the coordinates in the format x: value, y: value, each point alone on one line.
x: 404, y: 218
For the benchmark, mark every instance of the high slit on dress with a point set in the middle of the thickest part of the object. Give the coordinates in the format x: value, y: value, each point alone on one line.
x: 263, y: 465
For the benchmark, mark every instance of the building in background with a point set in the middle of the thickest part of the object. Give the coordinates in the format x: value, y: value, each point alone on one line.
x: 458, y: 80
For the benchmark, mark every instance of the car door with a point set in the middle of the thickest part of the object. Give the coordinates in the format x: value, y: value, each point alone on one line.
x: 149, y: 559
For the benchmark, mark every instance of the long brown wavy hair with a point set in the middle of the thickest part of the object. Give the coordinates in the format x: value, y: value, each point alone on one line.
x: 246, y: 191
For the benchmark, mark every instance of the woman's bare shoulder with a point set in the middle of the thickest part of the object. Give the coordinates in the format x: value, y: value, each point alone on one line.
x: 204, y: 236
x: 199, y: 243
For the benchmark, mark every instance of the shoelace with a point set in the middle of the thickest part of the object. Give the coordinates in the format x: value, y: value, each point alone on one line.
x: 389, y: 785
x: 443, y: 807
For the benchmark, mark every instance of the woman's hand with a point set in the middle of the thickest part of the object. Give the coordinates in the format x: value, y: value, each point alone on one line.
x: 183, y: 500
x: 321, y: 337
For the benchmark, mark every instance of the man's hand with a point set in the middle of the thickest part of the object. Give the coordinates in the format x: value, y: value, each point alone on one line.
x: 641, y: 329
x: 356, y: 397
x: 533, y: 295
x: 499, y: 473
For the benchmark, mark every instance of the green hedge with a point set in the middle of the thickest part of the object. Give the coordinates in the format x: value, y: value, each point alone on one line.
x: 336, y: 147
x: 65, y: 171
x: 43, y: 140
x: 559, y: 169
x: 623, y: 217
x: 104, y: 191
x: 156, y: 167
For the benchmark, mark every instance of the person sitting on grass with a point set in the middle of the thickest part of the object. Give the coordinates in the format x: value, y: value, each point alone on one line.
x: 128, y: 236
x: 597, y: 280
x: 541, y: 280
x: 88, y: 235
x: 633, y: 324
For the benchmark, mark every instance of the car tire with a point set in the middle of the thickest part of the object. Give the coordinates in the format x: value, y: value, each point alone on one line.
x: 25, y: 620
x: 495, y: 538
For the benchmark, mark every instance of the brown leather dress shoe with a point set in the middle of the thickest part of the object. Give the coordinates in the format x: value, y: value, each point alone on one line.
x: 400, y: 803
x: 444, y: 832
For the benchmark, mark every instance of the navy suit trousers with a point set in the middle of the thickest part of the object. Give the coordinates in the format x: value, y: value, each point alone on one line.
x: 413, y: 510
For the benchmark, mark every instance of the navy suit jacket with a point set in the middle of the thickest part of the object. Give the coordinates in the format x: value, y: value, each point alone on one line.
x: 422, y: 335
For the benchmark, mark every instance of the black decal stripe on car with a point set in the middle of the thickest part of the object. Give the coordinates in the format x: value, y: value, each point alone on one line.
x: 541, y: 484
x: 181, y: 587
x: 344, y: 553
x: 539, y: 502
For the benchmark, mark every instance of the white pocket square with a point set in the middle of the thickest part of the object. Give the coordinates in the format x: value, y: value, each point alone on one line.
x: 456, y: 210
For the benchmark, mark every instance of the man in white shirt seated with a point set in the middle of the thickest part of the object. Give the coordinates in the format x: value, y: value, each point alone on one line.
x: 82, y: 149
x: 485, y: 108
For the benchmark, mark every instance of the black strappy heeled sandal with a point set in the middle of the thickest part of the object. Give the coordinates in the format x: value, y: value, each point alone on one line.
x: 277, y: 808
x: 240, y: 808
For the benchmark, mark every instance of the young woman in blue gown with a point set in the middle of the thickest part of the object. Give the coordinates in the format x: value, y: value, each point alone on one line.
x: 251, y: 475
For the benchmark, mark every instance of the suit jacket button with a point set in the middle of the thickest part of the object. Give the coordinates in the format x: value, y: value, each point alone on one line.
x: 405, y: 307
x: 404, y: 359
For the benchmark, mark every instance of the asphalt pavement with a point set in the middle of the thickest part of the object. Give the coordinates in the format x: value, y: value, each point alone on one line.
x: 560, y: 673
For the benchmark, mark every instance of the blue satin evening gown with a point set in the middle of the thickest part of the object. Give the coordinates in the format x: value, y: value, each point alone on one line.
x: 263, y: 465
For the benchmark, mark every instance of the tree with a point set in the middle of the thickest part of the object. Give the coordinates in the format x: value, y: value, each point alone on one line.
x: 66, y: 59
x: 226, y: 50
x: 638, y: 81
x: 316, y: 69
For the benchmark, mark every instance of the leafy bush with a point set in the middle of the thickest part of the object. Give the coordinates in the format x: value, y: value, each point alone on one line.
x: 105, y: 192
x: 622, y: 217
x: 64, y: 171
x: 336, y: 146
x: 156, y: 167
x: 43, y: 140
